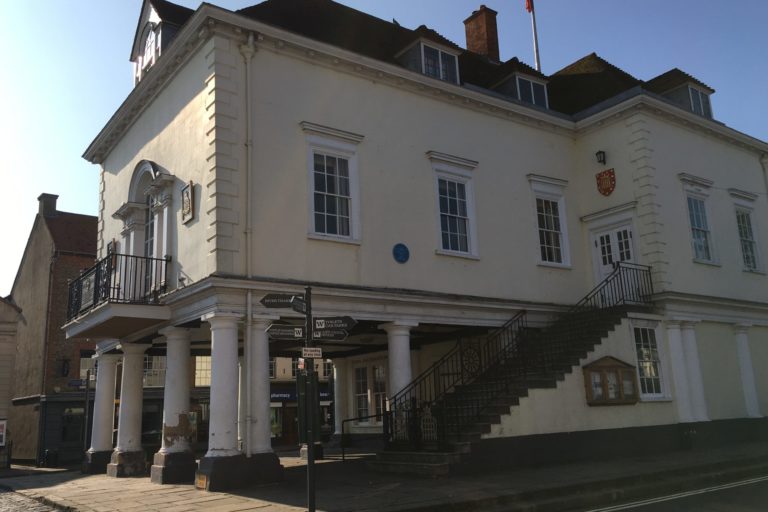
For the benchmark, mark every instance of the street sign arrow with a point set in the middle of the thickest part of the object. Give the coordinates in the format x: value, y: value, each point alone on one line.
x: 298, y: 305
x: 329, y: 335
x: 278, y: 300
x: 285, y: 332
x: 335, y: 322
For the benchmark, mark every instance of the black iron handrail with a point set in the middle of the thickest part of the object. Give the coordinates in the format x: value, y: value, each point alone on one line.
x: 410, y: 417
x: 454, y: 393
x: 357, y: 419
x: 118, y: 278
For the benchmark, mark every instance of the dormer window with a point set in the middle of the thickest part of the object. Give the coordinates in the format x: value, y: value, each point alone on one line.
x: 699, y: 102
x: 533, y: 92
x: 439, y: 64
x: 149, y: 50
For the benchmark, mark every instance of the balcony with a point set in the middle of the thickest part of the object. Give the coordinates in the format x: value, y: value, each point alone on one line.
x: 119, y: 295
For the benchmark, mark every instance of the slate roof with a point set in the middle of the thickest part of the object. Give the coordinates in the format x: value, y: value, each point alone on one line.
x: 671, y: 79
x: 73, y: 232
x: 588, y: 81
x: 171, y: 13
x: 575, y: 88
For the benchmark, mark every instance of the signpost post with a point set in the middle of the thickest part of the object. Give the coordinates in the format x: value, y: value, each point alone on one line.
x: 314, y: 330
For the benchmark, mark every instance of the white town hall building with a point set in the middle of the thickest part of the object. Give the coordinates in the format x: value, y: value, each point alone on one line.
x: 538, y: 265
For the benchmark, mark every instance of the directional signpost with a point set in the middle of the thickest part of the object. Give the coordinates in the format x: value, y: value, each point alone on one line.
x: 334, y: 328
x: 285, y: 332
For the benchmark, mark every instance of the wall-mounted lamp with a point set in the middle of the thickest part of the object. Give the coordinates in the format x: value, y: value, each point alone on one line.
x: 600, y: 155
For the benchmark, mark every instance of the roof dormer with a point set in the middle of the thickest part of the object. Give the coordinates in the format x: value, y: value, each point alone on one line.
x: 432, y: 55
x: 684, y: 90
x: 158, y: 24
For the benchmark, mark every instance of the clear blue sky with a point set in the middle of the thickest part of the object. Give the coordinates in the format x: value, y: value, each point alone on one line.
x: 67, y: 71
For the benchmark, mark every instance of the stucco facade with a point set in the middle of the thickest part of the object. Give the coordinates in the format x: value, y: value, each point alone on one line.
x: 211, y: 167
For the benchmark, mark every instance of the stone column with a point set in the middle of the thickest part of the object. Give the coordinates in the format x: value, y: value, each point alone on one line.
x: 128, y: 458
x: 399, y: 351
x: 265, y: 465
x: 747, y: 371
x: 693, y: 367
x: 339, y: 393
x: 679, y: 373
x: 98, y: 455
x: 175, y: 463
x: 223, y: 466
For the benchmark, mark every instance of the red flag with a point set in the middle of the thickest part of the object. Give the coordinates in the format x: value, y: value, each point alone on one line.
x: 529, y: 5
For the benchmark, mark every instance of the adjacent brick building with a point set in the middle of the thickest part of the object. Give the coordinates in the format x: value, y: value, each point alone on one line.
x: 47, y: 388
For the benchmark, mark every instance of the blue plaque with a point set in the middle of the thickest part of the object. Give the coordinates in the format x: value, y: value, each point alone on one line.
x: 401, y: 253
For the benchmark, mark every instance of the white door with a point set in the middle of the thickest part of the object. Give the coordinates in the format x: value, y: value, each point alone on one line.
x: 610, y: 246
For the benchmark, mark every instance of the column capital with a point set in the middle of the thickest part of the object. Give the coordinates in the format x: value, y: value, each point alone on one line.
x: 173, y: 332
x: 688, y: 325
x: 133, y: 348
x: 741, y: 328
x: 399, y: 326
x: 106, y: 358
x: 222, y: 317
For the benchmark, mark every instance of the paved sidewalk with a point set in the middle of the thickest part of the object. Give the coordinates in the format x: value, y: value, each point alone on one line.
x: 350, y: 486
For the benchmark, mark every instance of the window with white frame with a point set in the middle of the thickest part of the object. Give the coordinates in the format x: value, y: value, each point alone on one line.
x: 202, y: 371
x: 333, y: 190
x: 454, y: 216
x: 332, y: 195
x: 294, y: 367
x: 700, y: 234
x: 328, y: 369
x: 747, y: 239
x: 87, y: 362
x: 699, y: 102
x: 361, y: 392
x: 379, y: 389
x: 531, y: 91
x: 439, y: 64
x: 551, y: 228
x: 696, y: 192
x: 154, y: 371
x: 455, y: 204
x: 272, y: 367
x: 648, y: 362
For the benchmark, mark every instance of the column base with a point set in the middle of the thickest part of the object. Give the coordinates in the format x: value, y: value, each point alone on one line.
x: 95, y: 463
x: 173, y: 468
x: 318, y: 451
x: 126, y: 464
x: 224, y: 473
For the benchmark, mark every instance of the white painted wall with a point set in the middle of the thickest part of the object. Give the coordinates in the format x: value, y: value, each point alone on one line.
x: 565, y: 409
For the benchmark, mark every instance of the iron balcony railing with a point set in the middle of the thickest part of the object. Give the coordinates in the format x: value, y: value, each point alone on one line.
x: 121, y: 279
x: 451, y: 396
x: 416, y: 414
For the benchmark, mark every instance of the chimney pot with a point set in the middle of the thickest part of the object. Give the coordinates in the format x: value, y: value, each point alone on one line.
x: 47, y: 204
x: 482, y: 35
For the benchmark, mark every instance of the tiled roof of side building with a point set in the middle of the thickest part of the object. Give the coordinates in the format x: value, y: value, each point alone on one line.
x: 672, y: 79
x: 73, y: 232
x: 587, y: 82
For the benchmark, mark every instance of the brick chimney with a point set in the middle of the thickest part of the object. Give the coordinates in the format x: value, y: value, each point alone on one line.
x: 47, y: 204
x: 482, y: 36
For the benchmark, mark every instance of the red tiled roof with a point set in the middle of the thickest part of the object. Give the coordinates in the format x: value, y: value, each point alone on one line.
x: 73, y: 232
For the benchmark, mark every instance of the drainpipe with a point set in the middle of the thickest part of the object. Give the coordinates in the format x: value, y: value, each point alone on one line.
x: 247, y: 50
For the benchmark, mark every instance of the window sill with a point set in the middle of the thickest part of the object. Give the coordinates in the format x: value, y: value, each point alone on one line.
x: 757, y: 271
x: 656, y: 399
x: 711, y: 263
x: 331, y: 238
x: 549, y: 264
x: 465, y: 255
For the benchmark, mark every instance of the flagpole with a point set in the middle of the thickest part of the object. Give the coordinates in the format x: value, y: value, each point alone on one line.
x: 535, y: 38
